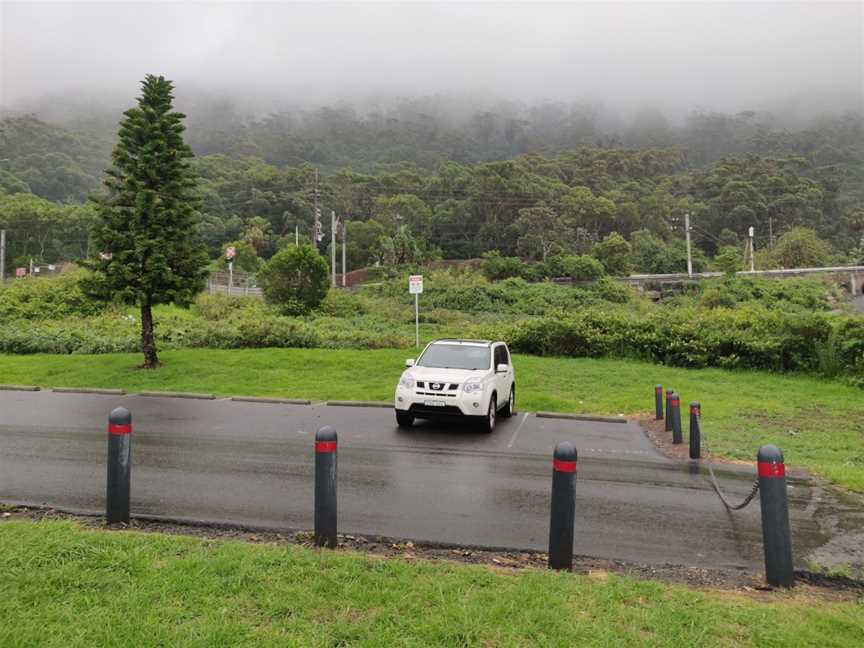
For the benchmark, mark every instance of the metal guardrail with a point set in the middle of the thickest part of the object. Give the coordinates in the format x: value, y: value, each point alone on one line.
x: 785, y: 272
x: 241, y: 285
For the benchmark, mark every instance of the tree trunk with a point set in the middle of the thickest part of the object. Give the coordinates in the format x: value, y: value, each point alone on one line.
x: 148, y: 340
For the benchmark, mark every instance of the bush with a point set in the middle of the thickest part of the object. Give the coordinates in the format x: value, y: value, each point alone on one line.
x: 295, y: 279
x: 800, y: 247
x: 729, y: 261
x: 774, y: 294
x: 47, y: 299
x: 614, y: 253
x: 221, y: 307
x: 610, y: 290
x: 582, y: 268
x: 753, y: 338
x: 342, y: 303
x: 717, y: 297
x: 495, y: 267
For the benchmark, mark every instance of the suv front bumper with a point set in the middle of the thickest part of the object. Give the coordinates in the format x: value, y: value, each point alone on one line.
x: 425, y: 406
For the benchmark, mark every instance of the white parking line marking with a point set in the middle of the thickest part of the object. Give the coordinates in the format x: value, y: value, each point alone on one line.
x: 516, y: 433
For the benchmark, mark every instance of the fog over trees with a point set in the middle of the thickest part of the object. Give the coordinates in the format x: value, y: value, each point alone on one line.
x: 464, y: 122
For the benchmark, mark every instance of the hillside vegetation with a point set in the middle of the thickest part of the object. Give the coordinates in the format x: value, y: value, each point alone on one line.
x: 730, y: 323
x: 553, y: 183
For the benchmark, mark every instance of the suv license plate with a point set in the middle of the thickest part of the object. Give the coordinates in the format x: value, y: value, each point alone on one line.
x: 434, y: 403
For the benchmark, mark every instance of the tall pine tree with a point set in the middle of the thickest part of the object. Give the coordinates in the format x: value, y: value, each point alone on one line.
x: 146, y: 234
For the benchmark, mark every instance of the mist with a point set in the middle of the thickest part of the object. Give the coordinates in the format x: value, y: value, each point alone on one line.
x: 800, y: 59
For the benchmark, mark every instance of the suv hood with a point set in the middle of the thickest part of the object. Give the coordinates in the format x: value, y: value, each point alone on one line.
x: 457, y: 376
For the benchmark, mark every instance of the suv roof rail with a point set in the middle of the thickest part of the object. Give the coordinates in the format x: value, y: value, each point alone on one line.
x: 463, y: 340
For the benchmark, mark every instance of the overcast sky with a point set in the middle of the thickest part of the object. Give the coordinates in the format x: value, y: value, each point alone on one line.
x: 675, y: 56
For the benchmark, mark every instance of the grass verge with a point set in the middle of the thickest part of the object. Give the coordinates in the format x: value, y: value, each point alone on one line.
x: 65, y: 586
x: 818, y: 423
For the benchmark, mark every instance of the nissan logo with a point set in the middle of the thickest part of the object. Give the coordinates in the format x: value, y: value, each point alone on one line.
x: 436, y: 385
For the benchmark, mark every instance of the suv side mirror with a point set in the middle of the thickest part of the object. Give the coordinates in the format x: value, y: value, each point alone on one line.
x: 502, y: 368
x: 409, y: 362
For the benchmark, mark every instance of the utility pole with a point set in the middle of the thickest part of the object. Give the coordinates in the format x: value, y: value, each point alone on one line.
x: 297, y: 235
x: 2, y: 255
x: 31, y: 267
x: 752, y: 251
x: 333, y: 246
x: 316, y: 225
x: 344, y: 240
x: 689, y: 254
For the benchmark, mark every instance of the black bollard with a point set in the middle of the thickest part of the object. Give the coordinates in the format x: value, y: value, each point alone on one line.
x: 669, y: 393
x: 695, y: 430
x: 676, y: 419
x: 658, y: 401
x: 325, y: 487
x: 119, y: 466
x: 776, y: 533
x: 563, y: 515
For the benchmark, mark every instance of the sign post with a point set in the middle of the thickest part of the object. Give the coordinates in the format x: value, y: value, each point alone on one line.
x: 230, y: 253
x: 415, y: 287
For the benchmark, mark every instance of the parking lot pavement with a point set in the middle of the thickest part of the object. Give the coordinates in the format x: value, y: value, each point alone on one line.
x: 251, y: 463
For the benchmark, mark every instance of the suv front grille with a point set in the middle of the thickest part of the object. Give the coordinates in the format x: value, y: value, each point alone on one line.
x: 436, y: 388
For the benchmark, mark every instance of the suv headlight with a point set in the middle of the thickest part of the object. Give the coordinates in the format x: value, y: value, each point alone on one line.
x: 407, y: 381
x: 472, y: 385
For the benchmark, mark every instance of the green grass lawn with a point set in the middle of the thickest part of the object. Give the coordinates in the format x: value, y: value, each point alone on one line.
x: 66, y: 586
x: 818, y: 423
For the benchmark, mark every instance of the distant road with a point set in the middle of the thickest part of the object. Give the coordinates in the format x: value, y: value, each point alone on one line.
x: 252, y: 463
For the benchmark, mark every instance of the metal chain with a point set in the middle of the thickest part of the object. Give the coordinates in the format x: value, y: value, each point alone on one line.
x: 716, y: 486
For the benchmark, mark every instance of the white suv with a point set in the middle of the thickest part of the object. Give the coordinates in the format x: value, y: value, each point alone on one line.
x: 458, y: 378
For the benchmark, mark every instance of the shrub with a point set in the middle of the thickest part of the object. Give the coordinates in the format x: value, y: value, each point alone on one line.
x: 583, y: 267
x: 753, y: 338
x: 729, y: 261
x: 295, y: 279
x: 610, y: 290
x: 800, y: 247
x: 614, y: 253
x: 786, y: 294
x: 342, y: 303
x: 495, y: 267
x: 47, y: 299
x: 717, y: 297
x: 222, y: 307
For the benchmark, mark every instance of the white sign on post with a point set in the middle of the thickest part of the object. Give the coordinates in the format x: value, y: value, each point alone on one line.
x: 230, y: 252
x: 415, y: 284
x: 415, y: 287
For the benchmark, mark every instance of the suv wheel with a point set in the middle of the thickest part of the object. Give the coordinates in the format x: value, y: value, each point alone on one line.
x: 404, y: 420
x: 510, y: 408
x: 489, y: 420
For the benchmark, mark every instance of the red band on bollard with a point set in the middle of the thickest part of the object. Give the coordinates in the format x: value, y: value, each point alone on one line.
x: 772, y: 469
x: 119, y: 429
x: 325, y: 446
x: 564, y: 466
x: 658, y: 390
x: 674, y: 402
x: 694, y: 410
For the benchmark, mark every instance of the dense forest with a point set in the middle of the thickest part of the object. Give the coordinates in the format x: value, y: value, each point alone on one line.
x: 419, y: 181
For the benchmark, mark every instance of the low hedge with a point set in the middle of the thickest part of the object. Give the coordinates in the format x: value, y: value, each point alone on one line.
x: 747, y: 336
x: 754, y: 338
x: 46, y: 299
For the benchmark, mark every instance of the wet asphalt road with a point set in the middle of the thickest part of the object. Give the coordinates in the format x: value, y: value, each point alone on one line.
x: 251, y: 463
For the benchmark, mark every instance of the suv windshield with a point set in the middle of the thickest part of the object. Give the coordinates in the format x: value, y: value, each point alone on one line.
x: 455, y: 356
